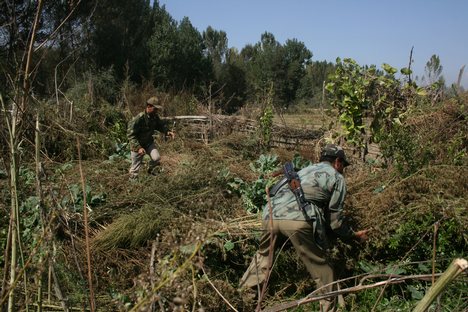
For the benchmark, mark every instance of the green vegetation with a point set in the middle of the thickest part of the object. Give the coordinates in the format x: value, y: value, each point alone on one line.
x: 76, y: 233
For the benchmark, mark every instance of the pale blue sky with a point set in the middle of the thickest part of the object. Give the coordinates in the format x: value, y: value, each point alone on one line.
x: 371, y: 32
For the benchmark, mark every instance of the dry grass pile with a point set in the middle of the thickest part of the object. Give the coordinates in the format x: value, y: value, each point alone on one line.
x: 185, y: 206
x: 404, y: 212
x: 134, y: 229
x: 445, y: 130
x: 436, y: 193
x: 181, y: 240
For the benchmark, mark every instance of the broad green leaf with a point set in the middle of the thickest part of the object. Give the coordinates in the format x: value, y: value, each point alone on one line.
x: 395, y: 270
x: 229, y: 245
x: 423, y: 268
x: 416, y: 294
x: 367, y: 266
x: 389, y: 69
x: 421, y: 92
x: 406, y: 71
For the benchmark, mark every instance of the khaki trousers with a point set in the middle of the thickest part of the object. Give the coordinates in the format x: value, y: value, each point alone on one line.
x: 301, y: 235
x: 137, y: 160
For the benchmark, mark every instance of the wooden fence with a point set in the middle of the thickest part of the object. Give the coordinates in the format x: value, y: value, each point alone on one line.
x: 207, y: 128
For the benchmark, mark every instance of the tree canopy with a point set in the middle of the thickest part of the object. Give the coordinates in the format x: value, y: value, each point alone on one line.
x: 142, y: 43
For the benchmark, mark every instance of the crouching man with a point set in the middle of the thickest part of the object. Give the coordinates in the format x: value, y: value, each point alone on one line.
x: 324, y: 190
x: 140, y: 132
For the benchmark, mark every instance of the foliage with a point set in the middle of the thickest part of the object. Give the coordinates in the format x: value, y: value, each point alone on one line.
x: 76, y: 87
x: 403, y: 149
x: 269, y: 62
x: 296, y: 58
x: 299, y: 162
x: 230, y: 81
x: 30, y: 221
x: 310, y: 92
x: 75, y: 200
x: 433, y: 71
x: 216, y: 43
x: 362, y: 93
x: 253, y: 194
x: 434, y: 137
x: 118, y: 40
x: 176, y: 53
x: 404, y: 297
x: 142, y: 43
x: 266, y: 120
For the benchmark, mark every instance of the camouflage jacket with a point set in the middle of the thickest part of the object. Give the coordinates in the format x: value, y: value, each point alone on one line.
x: 325, y: 189
x: 141, y: 128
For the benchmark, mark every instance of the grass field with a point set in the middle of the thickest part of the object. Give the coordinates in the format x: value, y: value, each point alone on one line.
x: 310, y: 119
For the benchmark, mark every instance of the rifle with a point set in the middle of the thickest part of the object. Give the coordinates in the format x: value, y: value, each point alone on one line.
x: 294, y: 183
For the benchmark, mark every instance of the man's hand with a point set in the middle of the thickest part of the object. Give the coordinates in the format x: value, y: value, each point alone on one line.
x: 361, y: 235
x: 141, y: 151
x: 171, y: 134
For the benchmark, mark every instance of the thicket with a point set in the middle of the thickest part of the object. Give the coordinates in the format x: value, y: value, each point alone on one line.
x: 142, y: 44
x: 178, y: 239
x: 77, y: 233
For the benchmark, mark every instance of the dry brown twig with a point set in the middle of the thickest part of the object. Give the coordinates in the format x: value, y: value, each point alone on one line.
x: 312, y: 297
x: 217, y: 291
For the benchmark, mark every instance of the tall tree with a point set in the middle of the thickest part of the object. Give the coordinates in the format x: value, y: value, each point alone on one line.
x: 297, y: 57
x: 233, y: 82
x: 216, y: 43
x: 193, y: 67
x: 433, y: 71
x: 120, y: 35
x: 316, y: 75
x: 268, y: 62
x: 263, y: 62
x: 59, y: 33
x: 163, y: 47
x: 177, y: 52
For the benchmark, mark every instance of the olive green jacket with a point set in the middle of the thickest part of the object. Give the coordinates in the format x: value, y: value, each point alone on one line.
x: 325, y: 189
x: 141, y: 128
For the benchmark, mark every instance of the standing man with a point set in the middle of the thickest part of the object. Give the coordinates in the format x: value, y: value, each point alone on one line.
x: 140, y: 132
x: 324, y: 189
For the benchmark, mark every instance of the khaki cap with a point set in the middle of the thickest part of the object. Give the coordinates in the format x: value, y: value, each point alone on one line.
x: 154, y: 101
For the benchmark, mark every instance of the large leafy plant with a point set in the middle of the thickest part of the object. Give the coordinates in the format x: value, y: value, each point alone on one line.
x: 253, y: 193
x: 369, y: 101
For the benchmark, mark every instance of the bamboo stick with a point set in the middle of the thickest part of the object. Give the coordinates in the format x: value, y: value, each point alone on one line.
x: 39, y: 195
x: 86, y: 229
x: 456, y: 267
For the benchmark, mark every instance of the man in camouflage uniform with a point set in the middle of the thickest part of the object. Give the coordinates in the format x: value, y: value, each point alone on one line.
x: 325, y: 189
x: 140, y: 132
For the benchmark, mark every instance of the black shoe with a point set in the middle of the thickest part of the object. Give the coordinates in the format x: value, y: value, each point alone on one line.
x: 154, y: 171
